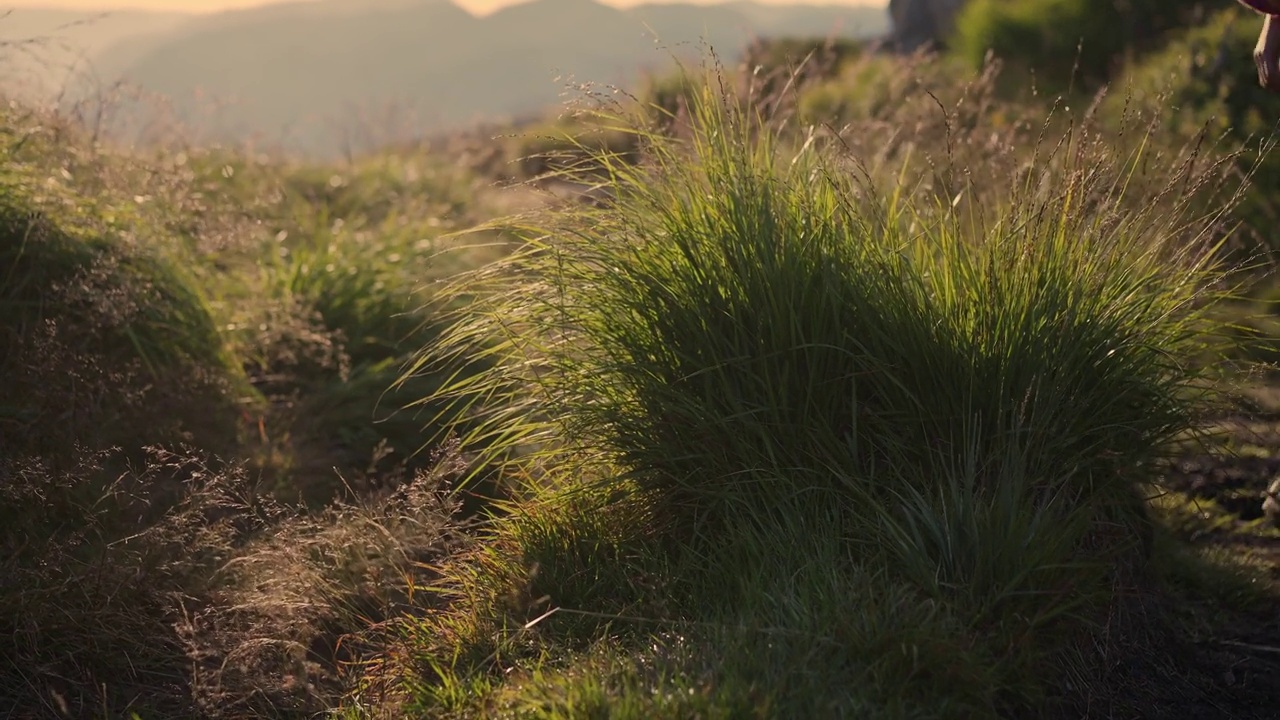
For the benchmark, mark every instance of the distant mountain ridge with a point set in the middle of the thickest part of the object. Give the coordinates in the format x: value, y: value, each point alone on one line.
x: 290, y: 74
x: 40, y: 49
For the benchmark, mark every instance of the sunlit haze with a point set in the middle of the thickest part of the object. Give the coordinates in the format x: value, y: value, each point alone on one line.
x: 205, y: 6
x: 293, y: 78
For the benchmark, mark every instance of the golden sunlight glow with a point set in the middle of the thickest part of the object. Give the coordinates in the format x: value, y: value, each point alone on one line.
x: 207, y: 6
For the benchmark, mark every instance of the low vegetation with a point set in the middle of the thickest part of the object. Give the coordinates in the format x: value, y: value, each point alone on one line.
x: 868, y: 392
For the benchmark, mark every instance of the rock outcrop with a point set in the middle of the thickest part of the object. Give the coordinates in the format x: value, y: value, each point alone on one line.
x: 922, y: 24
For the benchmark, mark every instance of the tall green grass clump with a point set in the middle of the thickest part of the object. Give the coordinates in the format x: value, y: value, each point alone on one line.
x: 793, y: 359
x: 1198, y: 85
x: 1200, y: 91
x: 735, y: 309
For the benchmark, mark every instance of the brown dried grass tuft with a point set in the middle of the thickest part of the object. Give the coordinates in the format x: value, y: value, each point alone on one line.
x: 180, y: 587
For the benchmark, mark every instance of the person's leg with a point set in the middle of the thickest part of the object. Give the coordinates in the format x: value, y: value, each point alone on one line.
x: 1266, y: 54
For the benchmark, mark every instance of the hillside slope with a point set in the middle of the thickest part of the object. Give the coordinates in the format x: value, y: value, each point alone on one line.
x: 289, y: 75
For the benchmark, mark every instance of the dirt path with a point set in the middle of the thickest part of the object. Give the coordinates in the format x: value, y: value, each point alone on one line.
x: 1232, y: 669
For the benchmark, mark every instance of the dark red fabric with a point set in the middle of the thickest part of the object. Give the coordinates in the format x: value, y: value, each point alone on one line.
x: 1269, y: 7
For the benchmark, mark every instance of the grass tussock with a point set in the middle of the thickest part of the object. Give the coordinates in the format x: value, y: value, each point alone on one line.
x: 832, y: 393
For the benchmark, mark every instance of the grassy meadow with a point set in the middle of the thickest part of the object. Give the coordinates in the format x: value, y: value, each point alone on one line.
x: 867, y: 387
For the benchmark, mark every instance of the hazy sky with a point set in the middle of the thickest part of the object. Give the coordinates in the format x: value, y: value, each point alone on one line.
x: 215, y: 5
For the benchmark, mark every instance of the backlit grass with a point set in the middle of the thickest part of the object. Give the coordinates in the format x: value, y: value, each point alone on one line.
x: 886, y: 451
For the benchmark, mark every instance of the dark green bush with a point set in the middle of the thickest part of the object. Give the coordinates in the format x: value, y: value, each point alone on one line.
x: 1065, y: 42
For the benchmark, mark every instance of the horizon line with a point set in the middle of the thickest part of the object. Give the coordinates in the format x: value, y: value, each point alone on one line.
x: 475, y: 7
